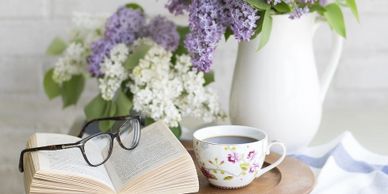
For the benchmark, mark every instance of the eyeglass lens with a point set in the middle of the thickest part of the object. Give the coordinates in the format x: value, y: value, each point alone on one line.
x: 98, y: 148
x: 128, y: 133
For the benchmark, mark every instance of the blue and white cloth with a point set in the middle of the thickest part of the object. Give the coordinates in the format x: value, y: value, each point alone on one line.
x: 343, y: 166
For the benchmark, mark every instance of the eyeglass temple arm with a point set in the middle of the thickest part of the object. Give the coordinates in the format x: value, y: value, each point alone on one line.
x: 49, y: 147
x: 81, y: 133
x: 138, y: 117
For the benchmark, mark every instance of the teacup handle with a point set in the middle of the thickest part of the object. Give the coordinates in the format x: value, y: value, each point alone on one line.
x: 273, y: 165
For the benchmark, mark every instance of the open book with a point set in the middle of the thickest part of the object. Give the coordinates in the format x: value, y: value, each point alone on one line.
x: 159, y: 164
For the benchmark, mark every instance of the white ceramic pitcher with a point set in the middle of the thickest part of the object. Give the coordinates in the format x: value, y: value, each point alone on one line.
x: 277, y: 89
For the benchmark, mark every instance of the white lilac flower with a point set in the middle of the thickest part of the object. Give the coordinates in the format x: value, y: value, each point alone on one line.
x: 153, y: 86
x: 71, y: 63
x: 183, y: 64
x: 87, y: 21
x: 119, y: 53
x: 197, y: 101
x: 87, y: 27
x: 167, y: 91
x: 155, y: 64
x: 274, y: 1
x: 113, y: 71
x: 212, y: 106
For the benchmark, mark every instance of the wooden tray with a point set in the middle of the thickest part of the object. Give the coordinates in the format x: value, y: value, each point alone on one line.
x: 290, y: 177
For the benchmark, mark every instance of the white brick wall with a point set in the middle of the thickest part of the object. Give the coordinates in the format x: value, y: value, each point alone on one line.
x: 29, y: 37
x: 12, y: 67
x: 27, y: 27
x: 24, y: 9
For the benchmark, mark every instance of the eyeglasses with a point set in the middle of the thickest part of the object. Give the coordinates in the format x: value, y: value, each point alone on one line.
x: 125, y: 128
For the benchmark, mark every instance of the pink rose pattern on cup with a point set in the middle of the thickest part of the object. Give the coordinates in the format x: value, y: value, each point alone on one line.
x: 246, y: 162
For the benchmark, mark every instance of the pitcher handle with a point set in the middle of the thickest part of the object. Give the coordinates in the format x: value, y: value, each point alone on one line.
x: 334, y: 57
x: 277, y: 162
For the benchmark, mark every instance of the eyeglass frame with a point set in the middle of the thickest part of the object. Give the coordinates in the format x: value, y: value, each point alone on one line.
x: 81, y: 143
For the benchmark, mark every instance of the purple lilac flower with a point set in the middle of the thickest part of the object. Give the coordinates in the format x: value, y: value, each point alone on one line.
x: 163, y: 32
x: 178, y: 7
x: 298, y: 12
x: 206, y: 30
x: 208, y: 20
x: 99, y: 50
x: 241, y: 17
x: 322, y: 2
x: 125, y: 25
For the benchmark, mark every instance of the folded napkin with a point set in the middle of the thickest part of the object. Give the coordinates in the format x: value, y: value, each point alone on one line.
x: 343, y: 166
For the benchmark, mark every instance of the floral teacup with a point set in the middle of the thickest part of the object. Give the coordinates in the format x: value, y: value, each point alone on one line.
x: 233, y: 165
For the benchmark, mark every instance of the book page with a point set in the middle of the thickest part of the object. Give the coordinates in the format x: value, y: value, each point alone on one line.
x: 157, y: 145
x: 69, y: 160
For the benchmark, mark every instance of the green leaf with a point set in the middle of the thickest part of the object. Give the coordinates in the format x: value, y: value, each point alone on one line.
x: 51, y: 88
x: 72, y: 89
x: 123, y: 103
x: 177, y: 131
x: 182, y: 31
x: 259, y: 4
x: 227, y: 178
x: 95, y: 108
x: 134, y: 6
x: 99, y: 32
x: 244, y: 166
x: 353, y: 7
x: 110, y: 110
x: 266, y: 29
x: 335, y: 18
x: 148, y: 121
x: 228, y: 33
x: 138, y: 53
x: 282, y: 7
x: 317, y: 8
x: 209, y: 77
x: 56, y: 47
x: 259, y: 25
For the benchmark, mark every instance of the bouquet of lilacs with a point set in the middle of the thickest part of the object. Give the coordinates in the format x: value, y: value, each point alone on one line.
x: 245, y: 19
x: 139, y: 65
